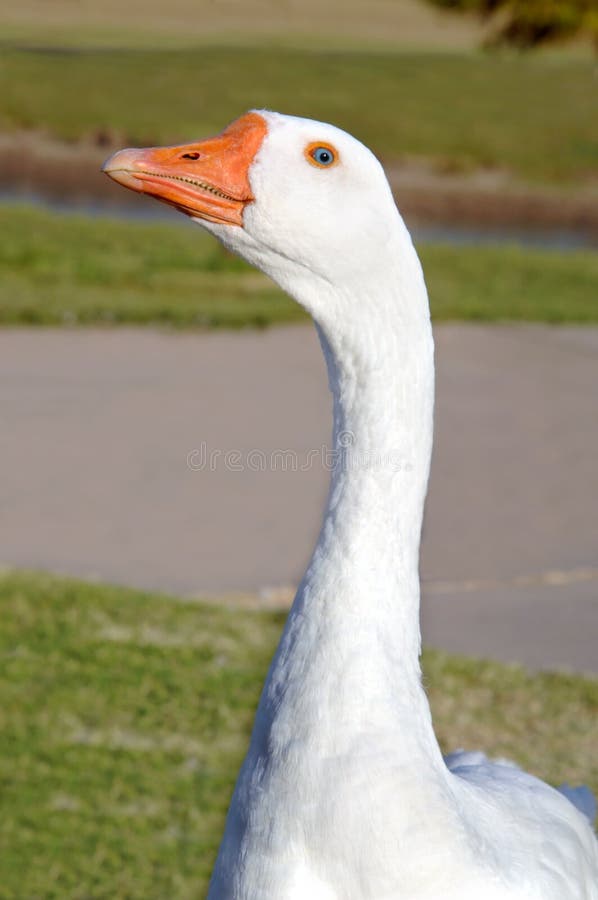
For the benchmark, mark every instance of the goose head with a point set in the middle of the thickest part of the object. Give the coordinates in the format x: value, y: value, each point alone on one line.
x: 301, y: 200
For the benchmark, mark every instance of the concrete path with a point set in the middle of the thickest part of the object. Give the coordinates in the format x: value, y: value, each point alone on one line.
x: 154, y: 460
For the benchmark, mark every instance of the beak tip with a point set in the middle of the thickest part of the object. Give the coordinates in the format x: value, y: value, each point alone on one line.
x: 109, y: 164
x: 119, y: 168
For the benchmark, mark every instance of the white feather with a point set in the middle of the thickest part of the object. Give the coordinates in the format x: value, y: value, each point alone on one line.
x: 344, y: 794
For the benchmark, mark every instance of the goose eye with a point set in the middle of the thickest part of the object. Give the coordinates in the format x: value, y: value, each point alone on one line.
x: 321, y: 155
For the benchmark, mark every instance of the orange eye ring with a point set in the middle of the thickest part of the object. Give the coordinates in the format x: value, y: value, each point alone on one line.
x: 321, y: 155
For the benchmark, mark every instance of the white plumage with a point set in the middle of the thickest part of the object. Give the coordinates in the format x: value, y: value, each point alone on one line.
x: 344, y: 794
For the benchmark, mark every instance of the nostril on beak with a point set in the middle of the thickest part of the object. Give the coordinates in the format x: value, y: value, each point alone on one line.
x: 193, y: 155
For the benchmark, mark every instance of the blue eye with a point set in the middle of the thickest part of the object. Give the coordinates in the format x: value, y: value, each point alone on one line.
x: 323, y: 156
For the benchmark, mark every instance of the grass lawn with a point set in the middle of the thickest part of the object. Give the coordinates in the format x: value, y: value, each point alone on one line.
x: 532, y: 115
x: 185, y: 22
x: 58, y: 269
x: 124, y: 717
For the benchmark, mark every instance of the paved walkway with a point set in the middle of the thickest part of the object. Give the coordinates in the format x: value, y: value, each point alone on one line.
x: 113, y: 451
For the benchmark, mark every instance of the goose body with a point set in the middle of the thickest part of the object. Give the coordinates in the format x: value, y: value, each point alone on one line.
x: 344, y: 794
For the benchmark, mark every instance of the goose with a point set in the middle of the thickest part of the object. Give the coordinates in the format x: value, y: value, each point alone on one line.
x: 344, y: 793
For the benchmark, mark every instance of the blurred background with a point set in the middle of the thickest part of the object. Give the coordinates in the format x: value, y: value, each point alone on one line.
x: 146, y: 571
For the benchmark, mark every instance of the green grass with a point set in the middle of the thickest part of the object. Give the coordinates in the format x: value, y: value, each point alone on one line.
x: 535, y: 116
x: 57, y: 269
x: 124, y: 717
x: 187, y: 23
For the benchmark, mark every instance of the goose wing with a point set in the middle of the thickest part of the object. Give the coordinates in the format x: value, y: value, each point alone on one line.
x: 542, y: 835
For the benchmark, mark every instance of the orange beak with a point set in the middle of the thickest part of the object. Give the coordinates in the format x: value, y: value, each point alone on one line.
x: 208, y: 180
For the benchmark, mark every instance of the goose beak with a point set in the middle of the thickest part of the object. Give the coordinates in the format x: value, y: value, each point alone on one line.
x: 206, y: 180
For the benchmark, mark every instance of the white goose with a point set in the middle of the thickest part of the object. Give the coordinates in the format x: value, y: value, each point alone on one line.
x: 344, y: 794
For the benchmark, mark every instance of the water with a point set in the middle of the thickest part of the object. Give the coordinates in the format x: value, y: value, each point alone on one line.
x: 147, y: 210
x: 143, y: 209
x: 557, y: 239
